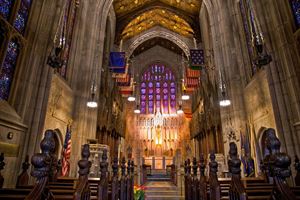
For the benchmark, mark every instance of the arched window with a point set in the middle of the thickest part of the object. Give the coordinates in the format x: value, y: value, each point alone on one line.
x: 158, y: 90
x: 14, y: 15
x: 68, y: 30
x: 295, y: 4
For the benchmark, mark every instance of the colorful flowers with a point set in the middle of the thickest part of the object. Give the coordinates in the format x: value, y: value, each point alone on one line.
x: 139, y: 192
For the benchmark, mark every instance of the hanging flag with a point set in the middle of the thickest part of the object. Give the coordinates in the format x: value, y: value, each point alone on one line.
x: 197, y: 59
x: 190, y: 73
x: 117, y: 62
x: 124, y: 81
x: 66, y: 153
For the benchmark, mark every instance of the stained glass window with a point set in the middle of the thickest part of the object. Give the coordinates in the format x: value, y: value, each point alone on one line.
x: 6, y: 7
x: 22, y: 16
x: 8, y: 69
x: 248, y: 22
x: 295, y: 4
x: 158, y: 90
x: 69, y: 22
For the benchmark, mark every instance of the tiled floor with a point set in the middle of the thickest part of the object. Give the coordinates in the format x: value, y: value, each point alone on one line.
x: 162, y: 190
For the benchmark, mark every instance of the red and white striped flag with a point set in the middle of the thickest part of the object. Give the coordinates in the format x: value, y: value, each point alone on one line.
x: 66, y: 153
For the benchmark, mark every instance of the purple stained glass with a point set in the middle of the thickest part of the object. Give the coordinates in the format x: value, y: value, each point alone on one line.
x: 173, y: 90
x: 157, y: 90
x: 173, y: 97
x: 22, y: 16
x: 165, y: 84
x: 158, y: 97
x: 150, y: 91
x: 8, y: 69
x: 150, y: 103
x: 157, y: 84
x: 143, y: 103
x: 150, y: 97
x: 143, y: 91
x: 143, y: 97
x: 296, y: 11
x: 172, y: 84
x: 150, y: 85
x: 143, y: 85
x: 165, y: 91
x: 150, y: 110
x: 166, y: 97
x: 6, y: 7
x: 157, y: 104
x: 173, y: 103
x: 143, y: 110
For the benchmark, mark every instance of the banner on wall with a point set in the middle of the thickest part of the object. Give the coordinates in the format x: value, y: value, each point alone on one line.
x: 197, y: 59
x: 117, y: 62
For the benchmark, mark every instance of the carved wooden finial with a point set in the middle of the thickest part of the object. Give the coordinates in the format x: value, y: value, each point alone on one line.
x: 42, y: 161
x: 297, y: 168
x: 115, y: 167
x: 103, y: 164
x: 123, y: 166
x: 132, y: 167
x: 202, y: 165
x: 234, y: 163
x: 2, y: 164
x: 84, y: 164
x: 23, y: 178
x: 189, y: 166
x: 128, y: 167
x: 195, y: 166
x: 185, y: 167
x: 213, y: 164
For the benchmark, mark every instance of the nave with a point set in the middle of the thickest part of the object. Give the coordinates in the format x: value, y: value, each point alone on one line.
x: 149, y: 99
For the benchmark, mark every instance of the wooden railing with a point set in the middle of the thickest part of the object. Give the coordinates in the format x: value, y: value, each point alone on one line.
x: 214, y: 185
x: 83, y: 191
x: 277, y: 166
x: 236, y: 190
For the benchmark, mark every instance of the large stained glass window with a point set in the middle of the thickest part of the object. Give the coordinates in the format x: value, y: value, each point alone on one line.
x: 22, y: 16
x: 8, y: 68
x: 16, y: 21
x: 68, y: 27
x: 6, y: 8
x: 295, y: 4
x: 158, y: 90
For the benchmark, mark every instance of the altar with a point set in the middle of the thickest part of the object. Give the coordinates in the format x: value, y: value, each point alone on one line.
x: 158, y: 162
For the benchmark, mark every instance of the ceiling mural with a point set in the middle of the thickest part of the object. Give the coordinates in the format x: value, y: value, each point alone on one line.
x: 126, y: 6
x: 160, y: 17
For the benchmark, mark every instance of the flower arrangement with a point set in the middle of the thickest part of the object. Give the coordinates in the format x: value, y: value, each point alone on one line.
x: 139, y: 192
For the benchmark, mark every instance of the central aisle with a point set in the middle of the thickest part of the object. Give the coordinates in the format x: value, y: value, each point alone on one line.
x: 163, y: 190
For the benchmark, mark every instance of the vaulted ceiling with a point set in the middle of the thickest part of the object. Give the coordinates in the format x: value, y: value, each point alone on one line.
x: 167, y: 44
x: 137, y: 16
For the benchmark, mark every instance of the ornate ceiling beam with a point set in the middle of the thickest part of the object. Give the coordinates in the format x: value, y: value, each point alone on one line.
x: 125, y: 19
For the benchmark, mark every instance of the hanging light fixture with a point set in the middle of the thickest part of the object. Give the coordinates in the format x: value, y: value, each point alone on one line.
x: 180, y: 111
x: 224, y: 99
x: 131, y: 98
x: 137, y: 109
x: 92, y: 103
x: 185, y: 96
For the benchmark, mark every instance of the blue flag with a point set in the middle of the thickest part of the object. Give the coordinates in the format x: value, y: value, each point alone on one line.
x: 117, y: 62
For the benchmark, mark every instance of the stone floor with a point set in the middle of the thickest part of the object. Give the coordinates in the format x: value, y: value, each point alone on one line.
x: 163, y: 190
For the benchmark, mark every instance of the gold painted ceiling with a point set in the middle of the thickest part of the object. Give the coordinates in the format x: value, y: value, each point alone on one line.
x: 156, y: 17
x: 126, y: 6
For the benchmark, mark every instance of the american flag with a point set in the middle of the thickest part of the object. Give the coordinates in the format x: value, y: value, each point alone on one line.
x: 190, y: 73
x: 197, y: 58
x: 66, y: 153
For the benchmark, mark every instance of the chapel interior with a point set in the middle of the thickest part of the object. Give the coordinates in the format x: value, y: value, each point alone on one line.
x: 176, y: 99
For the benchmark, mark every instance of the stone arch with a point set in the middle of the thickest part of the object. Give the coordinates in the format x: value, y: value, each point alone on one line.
x: 158, y: 32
